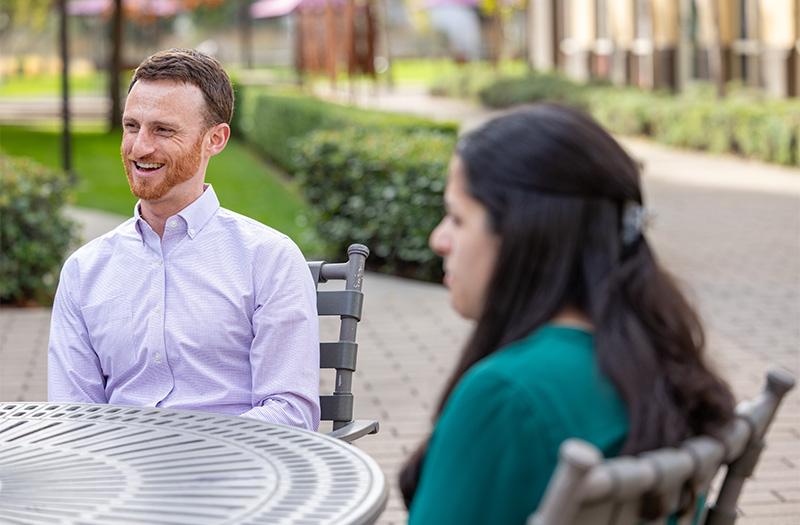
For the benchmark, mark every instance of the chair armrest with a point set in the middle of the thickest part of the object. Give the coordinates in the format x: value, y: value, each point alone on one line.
x: 355, y: 429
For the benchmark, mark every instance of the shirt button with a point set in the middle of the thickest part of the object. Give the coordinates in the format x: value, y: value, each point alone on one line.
x: 191, y: 231
x: 172, y: 223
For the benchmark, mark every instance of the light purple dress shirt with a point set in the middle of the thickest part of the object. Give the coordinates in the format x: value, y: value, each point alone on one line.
x: 220, y: 315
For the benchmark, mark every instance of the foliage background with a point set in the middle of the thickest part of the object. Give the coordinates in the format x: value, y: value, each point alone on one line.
x: 34, y: 234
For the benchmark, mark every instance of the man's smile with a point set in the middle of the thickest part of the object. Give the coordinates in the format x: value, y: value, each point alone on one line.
x: 147, y: 168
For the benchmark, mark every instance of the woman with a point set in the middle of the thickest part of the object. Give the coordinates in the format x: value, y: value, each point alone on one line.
x: 579, y: 332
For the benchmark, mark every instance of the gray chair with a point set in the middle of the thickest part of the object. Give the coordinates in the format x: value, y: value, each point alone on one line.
x: 585, y: 489
x: 341, y: 355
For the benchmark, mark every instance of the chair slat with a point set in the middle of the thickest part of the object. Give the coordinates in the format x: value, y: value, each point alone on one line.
x: 708, y: 454
x: 600, y: 514
x: 336, y: 407
x: 315, y: 267
x: 346, y: 303
x: 620, y: 478
x: 627, y: 512
x: 580, y: 496
x: 341, y: 354
x: 736, y: 437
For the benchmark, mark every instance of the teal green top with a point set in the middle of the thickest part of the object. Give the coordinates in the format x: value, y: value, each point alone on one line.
x: 496, y: 443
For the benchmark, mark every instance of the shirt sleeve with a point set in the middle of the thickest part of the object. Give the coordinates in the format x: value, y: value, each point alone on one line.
x: 74, y: 373
x: 488, y: 460
x: 284, y: 356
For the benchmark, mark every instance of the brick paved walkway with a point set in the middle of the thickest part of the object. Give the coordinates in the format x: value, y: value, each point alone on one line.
x: 728, y: 228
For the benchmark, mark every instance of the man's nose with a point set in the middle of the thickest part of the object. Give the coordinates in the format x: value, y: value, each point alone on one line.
x: 439, y: 240
x: 142, y: 145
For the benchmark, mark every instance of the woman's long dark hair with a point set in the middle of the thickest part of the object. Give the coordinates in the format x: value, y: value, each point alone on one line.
x: 555, y: 186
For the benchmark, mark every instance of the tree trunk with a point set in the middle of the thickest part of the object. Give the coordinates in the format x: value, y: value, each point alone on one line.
x: 715, y: 50
x: 330, y: 43
x: 246, y: 34
x: 387, y: 44
x: 66, y: 137
x: 496, y: 38
x: 298, y: 18
x: 686, y: 48
x: 115, y: 66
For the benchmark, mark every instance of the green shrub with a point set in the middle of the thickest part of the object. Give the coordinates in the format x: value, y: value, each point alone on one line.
x: 468, y: 80
x: 682, y: 125
x: 34, y: 235
x: 238, y: 110
x: 625, y: 111
x: 280, y: 118
x: 380, y: 187
x: 780, y: 129
x: 763, y: 131
x: 537, y: 87
x: 744, y: 122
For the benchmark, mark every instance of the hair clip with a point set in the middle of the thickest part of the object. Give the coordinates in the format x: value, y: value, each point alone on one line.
x: 634, y: 220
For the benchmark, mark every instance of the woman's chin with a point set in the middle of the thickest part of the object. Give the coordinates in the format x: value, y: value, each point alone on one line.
x: 462, y: 310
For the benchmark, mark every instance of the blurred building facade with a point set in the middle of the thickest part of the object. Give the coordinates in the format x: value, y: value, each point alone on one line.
x: 666, y: 44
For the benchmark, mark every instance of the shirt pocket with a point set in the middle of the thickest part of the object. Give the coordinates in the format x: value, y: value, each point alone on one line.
x: 109, y: 324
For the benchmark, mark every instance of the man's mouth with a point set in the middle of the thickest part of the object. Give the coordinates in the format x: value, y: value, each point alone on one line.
x: 147, y: 167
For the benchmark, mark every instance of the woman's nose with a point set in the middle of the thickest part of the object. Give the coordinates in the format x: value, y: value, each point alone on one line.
x: 439, y: 240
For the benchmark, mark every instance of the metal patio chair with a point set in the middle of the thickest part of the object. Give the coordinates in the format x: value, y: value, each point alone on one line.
x: 586, y: 490
x: 341, y: 355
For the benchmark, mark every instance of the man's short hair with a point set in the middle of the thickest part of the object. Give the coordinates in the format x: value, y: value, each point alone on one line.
x: 192, y: 67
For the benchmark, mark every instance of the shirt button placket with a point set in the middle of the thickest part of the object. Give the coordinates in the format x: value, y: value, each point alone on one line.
x: 159, y: 312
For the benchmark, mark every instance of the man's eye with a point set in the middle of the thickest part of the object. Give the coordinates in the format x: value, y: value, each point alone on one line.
x: 163, y: 131
x: 131, y: 126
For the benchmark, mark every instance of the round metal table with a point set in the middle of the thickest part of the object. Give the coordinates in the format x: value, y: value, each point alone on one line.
x: 84, y: 464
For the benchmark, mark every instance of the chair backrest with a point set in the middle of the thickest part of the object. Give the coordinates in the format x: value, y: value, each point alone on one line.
x: 586, y: 490
x: 341, y: 355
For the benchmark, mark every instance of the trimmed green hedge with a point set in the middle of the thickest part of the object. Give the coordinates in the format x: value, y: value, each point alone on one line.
x: 379, y: 187
x: 553, y: 87
x: 34, y: 235
x: 238, y: 110
x: 370, y: 177
x: 743, y: 123
x: 626, y: 111
x: 768, y: 131
x: 272, y: 120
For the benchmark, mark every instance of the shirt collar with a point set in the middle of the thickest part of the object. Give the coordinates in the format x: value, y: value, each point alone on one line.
x: 197, y: 214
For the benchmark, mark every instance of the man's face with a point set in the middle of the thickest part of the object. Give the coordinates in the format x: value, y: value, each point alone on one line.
x: 163, y: 137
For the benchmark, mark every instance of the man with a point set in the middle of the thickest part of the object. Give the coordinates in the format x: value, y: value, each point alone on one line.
x: 186, y: 305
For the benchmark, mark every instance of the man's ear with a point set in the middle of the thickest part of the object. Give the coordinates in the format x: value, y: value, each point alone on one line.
x: 218, y: 136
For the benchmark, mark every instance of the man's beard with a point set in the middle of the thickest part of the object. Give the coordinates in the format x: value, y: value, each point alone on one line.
x: 150, y: 189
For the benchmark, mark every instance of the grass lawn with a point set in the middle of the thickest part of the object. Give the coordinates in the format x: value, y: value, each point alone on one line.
x: 432, y: 71
x: 46, y: 85
x: 242, y: 181
x: 441, y: 76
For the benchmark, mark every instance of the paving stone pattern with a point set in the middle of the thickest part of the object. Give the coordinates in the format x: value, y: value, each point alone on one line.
x: 729, y: 230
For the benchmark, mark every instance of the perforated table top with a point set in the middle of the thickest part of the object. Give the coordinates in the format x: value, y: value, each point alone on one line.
x: 85, y: 464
